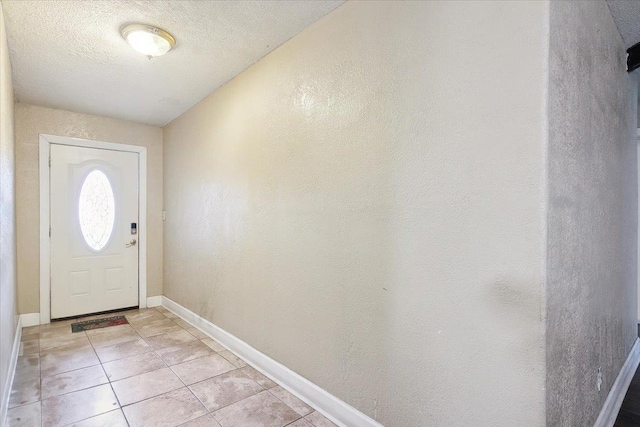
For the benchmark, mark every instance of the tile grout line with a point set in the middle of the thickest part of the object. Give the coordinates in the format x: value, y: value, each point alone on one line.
x: 101, y: 367
x: 225, y: 406
x: 233, y: 370
x: 106, y: 376
x: 171, y: 369
x: 206, y: 379
x: 108, y: 381
x: 111, y: 382
x: 163, y: 361
x: 301, y: 416
x: 85, y: 419
x: 40, y: 377
x: 264, y: 389
x: 141, y: 323
x: 166, y: 366
x: 121, y: 407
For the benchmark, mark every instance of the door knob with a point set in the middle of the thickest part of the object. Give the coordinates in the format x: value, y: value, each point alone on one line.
x: 131, y: 243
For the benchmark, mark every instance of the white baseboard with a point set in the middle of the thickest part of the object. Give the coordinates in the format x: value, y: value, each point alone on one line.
x: 6, y: 391
x: 612, y: 405
x: 30, y: 319
x: 154, y: 301
x: 327, y: 404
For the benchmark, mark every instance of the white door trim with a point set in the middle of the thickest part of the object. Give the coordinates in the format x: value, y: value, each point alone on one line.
x: 45, y: 243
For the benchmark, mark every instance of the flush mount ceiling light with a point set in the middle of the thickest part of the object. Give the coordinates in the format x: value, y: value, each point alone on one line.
x: 148, y: 40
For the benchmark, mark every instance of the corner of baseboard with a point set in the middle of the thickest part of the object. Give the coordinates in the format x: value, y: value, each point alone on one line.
x: 30, y: 319
x: 154, y: 301
x: 611, y: 407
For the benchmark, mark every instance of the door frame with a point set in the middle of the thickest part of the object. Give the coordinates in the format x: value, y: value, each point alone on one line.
x: 45, y: 243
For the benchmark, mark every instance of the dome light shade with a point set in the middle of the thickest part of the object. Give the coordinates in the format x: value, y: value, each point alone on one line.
x: 148, y: 40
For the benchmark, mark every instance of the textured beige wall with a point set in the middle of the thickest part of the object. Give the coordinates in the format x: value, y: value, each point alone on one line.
x: 8, y: 301
x: 365, y: 206
x: 31, y: 121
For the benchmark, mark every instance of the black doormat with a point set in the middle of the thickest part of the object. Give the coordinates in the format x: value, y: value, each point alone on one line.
x: 105, y: 322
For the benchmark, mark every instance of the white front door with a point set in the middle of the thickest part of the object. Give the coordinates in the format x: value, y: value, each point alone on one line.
x: 94, y: 221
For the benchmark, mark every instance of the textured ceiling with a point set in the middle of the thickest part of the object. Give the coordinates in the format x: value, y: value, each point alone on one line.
x: 70, y: 55
x: 626, y: 13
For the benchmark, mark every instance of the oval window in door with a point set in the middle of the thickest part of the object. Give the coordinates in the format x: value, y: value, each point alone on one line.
x: 96, y: 210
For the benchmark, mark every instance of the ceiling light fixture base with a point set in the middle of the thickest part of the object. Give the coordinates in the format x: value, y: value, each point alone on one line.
x: 148, y: 40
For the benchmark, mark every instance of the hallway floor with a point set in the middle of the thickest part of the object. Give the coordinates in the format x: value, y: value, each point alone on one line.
x: 155, y: 371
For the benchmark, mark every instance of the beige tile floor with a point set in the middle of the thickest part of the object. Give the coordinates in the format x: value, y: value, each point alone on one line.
x: 156, y: 371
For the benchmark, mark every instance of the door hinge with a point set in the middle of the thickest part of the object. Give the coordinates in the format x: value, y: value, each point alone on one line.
x: 49, y: 161
x: 49, y: 231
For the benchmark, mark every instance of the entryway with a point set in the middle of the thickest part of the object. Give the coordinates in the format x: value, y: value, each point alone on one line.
x: 93, y: 206
x: 94, y: 227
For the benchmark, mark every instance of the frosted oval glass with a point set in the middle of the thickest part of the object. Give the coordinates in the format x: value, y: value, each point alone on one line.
x: 96, y: 210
